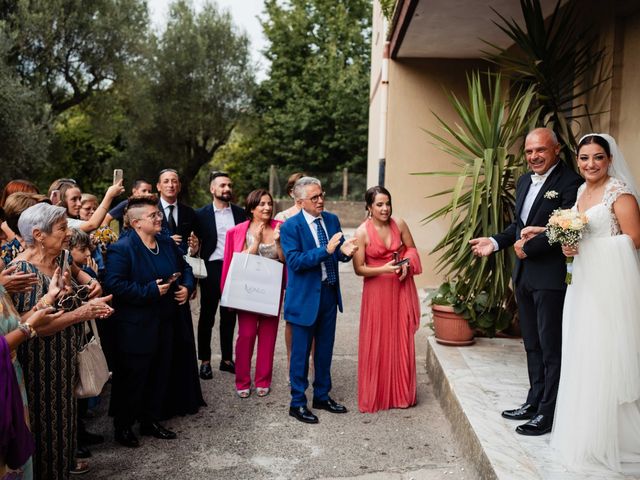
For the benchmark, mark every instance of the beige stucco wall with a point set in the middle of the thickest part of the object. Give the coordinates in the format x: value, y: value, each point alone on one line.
x: 417, y: 88
x: 627, y: 112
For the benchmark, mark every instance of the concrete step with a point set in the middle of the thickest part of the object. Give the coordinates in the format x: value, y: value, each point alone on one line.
x: 474, y: 384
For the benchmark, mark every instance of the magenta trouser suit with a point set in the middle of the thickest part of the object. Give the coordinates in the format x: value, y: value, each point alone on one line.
x: 251, y: 325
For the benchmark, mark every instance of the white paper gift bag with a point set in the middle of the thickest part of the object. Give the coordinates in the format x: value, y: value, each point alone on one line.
x: 253, y: 284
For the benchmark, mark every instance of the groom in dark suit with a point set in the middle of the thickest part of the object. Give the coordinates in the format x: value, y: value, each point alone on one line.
x: 313, y: 245
x: 539, y: 275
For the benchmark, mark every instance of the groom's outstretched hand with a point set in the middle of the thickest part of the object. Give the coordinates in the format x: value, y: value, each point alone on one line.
x: 481, y: 247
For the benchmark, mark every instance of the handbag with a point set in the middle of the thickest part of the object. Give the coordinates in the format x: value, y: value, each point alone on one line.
x: 197, y: 265
x: 253, y: 284
x: 93, y: 371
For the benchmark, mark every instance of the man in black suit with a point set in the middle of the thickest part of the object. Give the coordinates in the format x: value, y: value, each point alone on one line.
x: 178, y: 219
x: 212, y: 222
x: 539, y: 275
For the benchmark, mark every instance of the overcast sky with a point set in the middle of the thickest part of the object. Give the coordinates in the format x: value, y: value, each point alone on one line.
x: 244, y: 13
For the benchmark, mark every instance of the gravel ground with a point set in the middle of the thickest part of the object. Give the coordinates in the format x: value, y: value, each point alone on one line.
x: 255, y: 438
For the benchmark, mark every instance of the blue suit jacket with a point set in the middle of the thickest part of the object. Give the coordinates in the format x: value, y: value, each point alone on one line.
x: 304, y: 273
x: 131, y: 277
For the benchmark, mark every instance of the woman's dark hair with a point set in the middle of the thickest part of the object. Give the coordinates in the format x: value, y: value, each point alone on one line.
x: 370, y: 196
x: 253, y: 200
x: 293, y: 178
x: 597, y: 139
x: 17, y: 186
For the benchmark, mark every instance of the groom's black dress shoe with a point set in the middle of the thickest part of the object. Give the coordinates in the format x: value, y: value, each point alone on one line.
x: 538, y: 425
x: 329, y: 405
x: 523, y: 412
x: 156, y: 430
x: 303, y: 414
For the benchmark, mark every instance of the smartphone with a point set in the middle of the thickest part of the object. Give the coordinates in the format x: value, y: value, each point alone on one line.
x: 63, y: 263
x: 118, y: 175
x: 172, y: 278
x: 402, y: 262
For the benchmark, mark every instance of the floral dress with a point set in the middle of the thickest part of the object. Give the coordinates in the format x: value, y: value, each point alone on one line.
x: 50, y: 371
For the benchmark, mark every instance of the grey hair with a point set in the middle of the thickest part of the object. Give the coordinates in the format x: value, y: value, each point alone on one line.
x: 300, y: 187
x: 549, y: 131
x: 41, y: 216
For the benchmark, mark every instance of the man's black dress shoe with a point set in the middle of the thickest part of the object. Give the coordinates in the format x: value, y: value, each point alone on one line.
x: 523, y: 412
x: 205, y: 371
x: 82, y: 452
x: 228, y: 366
x: 126, y: 437
x: 538, y: 425
x: 303, y: 414
x: 156, y: 430
x: 329, y: 405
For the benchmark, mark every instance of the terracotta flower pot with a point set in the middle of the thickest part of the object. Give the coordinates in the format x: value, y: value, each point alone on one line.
x: 450, y: 328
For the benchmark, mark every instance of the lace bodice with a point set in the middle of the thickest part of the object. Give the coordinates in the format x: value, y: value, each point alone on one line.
x: 602, y: 219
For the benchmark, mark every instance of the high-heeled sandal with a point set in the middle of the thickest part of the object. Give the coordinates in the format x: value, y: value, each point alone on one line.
x: 81, y: 468
x: 244, y: 393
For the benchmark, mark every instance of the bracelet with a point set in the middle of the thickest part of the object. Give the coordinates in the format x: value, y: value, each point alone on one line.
x: 27, y: 330
x: 44, y: 303
x: 24, y: 330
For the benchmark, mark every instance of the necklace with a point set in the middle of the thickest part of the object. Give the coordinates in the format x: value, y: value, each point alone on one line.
x: 154, y: 251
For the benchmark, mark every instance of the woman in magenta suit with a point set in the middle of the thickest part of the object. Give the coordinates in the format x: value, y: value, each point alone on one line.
x: 260, y: 235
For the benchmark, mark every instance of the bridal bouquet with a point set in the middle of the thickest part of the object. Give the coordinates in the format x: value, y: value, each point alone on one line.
x: 566, y: 227
x: 103, y: 236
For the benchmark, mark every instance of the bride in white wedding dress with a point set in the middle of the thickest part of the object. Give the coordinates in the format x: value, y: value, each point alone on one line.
x: 597, y: 417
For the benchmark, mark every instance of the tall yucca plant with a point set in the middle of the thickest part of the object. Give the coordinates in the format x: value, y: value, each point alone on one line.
x: 560, y: 58
x: 482, y: 201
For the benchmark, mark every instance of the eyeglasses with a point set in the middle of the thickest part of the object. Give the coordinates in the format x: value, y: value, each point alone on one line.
x: 316, y: 198
x: 155, y: 215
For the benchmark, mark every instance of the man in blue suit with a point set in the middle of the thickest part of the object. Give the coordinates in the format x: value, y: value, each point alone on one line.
x: 312, y: 243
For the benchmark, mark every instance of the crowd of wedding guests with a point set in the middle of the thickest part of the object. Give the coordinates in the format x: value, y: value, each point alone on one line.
x: 63, y: 264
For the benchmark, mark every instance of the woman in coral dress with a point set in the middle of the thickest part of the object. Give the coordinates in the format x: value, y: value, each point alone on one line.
x: 390, y: 311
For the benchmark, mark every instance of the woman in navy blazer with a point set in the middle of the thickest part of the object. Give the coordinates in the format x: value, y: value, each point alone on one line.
x: 150, y: 282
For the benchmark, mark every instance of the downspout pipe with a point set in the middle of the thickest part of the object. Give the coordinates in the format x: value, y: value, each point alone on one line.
x: 384, y: 103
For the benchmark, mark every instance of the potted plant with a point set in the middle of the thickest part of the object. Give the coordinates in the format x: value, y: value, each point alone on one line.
x: 480, y: 203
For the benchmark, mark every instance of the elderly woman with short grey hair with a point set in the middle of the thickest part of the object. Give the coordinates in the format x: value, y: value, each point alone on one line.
x: 50, y: 363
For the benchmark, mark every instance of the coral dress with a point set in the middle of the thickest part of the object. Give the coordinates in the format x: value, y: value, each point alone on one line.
x: 389, y: 319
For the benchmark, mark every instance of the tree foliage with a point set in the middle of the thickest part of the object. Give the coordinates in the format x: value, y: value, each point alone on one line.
x: 193, y: 91
x: 23, y: 126
x: 311, y: 111
x: 71, y: 49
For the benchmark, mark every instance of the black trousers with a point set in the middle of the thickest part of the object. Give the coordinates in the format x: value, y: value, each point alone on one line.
x: 209, y: 298
x: 540, y: 314
x: 140, y: 382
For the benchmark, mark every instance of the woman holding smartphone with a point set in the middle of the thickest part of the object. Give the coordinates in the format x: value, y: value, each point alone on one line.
x: 151, y: 284
x: 390, y: 311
